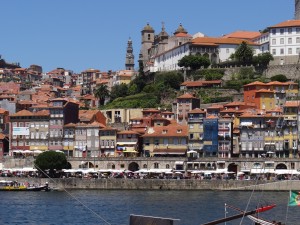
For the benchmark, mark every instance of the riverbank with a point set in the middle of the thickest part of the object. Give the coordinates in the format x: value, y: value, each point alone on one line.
x: 162, y: 184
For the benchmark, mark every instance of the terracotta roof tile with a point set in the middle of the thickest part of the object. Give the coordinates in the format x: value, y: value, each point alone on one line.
x: 187, y: 95
x: 255, y: 83
x: 234, y: 41
x: 23, y: 113
x: 288, y: 23
x: 243, y: 34
x: 167, y: 131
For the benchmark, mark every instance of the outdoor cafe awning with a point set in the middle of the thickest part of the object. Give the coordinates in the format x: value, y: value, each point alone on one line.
x: 261, y: 171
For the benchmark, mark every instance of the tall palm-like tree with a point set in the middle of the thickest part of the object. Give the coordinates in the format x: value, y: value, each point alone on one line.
x: 101, y: 93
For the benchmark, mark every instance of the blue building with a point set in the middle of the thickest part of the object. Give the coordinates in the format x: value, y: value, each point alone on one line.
x: 210, y: 136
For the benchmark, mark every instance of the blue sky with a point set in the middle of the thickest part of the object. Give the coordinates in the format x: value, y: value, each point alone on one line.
x: 82, y: 34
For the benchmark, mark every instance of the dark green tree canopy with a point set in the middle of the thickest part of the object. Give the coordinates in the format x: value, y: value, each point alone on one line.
x: 119, y: 90
x: 279, y: 77
x: 194, y: 62
x: 243, y: 53
x: 263, y: 59
x: 51, y: 160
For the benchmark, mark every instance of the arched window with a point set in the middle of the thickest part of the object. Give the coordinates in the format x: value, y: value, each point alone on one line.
x: 167, y: 166
x: 145, y: 166
x: 156, y: 165
x: 113, y: 166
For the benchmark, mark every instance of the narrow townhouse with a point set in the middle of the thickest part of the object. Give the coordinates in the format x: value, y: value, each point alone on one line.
x: 168, y: 141
x: 195, y: 132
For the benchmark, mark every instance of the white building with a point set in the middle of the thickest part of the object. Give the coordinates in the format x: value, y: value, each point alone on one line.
x: 285, y: 42
x: 216, y: 49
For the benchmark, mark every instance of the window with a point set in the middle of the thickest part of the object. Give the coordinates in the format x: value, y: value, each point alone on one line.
x: 290, y: 41
x: 149, y: 37
x: 297, y: 40
x: 281, y: 31
x: 274, y: 51
x: 289, y: 30
x: 227, y: 50
x: 274, y: 41
x: 297, y: 51
x: 166, y: 141
x: 290, y: 51
x: 156, y: 165
x: 273, y: 31
x: 281, y: 51
x: 281, y: 41
x: 297, y: 30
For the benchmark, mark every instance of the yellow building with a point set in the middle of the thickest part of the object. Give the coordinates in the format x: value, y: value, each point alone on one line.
x: 165, y: 140
x: 290, y: 127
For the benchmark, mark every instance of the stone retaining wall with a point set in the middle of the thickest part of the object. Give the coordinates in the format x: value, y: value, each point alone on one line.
x: 164, y: 184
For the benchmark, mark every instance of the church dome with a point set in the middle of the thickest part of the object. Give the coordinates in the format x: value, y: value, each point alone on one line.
x: 180, y: 29
x: 163, y: 32
x: 148, y: 28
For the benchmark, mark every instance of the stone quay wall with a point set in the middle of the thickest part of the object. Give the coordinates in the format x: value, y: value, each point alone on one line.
x: 291, y: 71
x: 162, y: 184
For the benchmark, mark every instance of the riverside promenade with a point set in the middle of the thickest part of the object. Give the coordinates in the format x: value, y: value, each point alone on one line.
x: 162, y: 184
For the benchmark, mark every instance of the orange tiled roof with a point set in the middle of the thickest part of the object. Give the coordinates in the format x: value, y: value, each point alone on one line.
x: 182, y: 35
x: 235, y: 41
x: 215, y: 107
x: 23, y: 113
x: 167, y: 131
x: 243, y: 34
x: 197, y: 110
x: 288, y: 23
x: 255, y: 83
x: 127, y: 132
x: 187, y: 95
x: 292, y: 104
x: 2, y: 111
x: 42, y: 113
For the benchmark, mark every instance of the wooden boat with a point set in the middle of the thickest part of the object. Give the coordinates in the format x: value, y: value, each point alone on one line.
x: 16, y: 186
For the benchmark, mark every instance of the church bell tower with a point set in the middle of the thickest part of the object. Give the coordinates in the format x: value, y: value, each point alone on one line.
x: 129, y: 64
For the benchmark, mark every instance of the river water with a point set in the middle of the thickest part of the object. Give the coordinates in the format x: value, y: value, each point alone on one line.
x: 114, y: 207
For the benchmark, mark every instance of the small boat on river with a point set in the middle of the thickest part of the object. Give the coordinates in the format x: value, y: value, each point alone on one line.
x: 16, y: 186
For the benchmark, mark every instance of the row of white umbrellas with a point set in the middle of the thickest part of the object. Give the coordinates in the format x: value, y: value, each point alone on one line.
x: 33, y: 151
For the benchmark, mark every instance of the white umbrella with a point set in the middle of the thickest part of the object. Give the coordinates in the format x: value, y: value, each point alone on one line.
x: 59, y: 151
x: 37, y: 151
x: 191, y: 152
x: 27, y: 151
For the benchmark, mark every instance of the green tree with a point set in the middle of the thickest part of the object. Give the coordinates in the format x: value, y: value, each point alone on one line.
x: 141, y: 78
x: 244, y: 53
x: 133, y: 89
x: 263, y: 59
x: 51, y: 160
x: 101, y: 93
x: 279, y: 77
x: 170, y: 79
x: 117, y: 91
x: 194, y: 62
